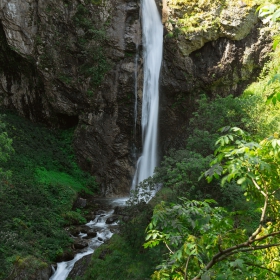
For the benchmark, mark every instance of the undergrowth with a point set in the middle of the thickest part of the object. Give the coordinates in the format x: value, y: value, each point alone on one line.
x: 124, y: 257
x: 179, y: 173
x: 36, y: 201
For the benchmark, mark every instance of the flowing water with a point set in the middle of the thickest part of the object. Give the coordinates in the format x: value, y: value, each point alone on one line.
x: 152, y: 44
x: 103, y: 233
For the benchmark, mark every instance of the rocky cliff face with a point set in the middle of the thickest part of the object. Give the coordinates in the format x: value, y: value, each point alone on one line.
x: 72, y: 64
x: 69, y: 63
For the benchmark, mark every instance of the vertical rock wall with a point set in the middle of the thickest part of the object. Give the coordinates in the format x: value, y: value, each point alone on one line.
x: 72, y: 64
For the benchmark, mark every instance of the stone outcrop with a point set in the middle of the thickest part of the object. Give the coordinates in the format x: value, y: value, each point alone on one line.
x: 30, y: 268
x: 194, y: 23
x: 80, y: 267
x: 73, y: 63
x: 220, y: 67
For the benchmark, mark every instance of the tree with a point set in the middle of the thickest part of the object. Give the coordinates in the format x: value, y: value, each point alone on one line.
x: 270, y: 13
x: 203, y: 241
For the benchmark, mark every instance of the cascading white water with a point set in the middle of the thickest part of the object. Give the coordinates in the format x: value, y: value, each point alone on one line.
x: 152, y: 44
x: 103, y: 233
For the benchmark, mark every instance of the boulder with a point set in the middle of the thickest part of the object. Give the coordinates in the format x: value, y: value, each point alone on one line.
x: 84, y: 229
x: 112, y: 219
x: 24, y: 273
x: 80, y: 203
x: 65, y: 256
x: 100, y: 212
x: 80, y: 243
x: 73, y: 231
x: 92, y: 233
x: 80, y: 267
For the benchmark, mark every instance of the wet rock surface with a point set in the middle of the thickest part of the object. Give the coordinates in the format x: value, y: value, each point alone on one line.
x: 65, y: 256
x: 80, y: 243
x: 112, y: 219
x: 80, y: 267
x: 92, y: 233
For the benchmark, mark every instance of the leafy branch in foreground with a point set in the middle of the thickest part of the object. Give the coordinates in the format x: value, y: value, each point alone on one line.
x: 202, y: 241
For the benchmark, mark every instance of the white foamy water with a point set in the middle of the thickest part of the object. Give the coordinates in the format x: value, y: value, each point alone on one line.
x: 103, y: 233
x: 152, y: 44
x: 64, y: 268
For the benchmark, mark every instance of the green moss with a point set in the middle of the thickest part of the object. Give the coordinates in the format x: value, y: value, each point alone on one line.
x: 200, y: 20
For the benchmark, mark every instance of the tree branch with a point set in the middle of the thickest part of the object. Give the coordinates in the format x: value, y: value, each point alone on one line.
x: 223, y: 254
x: 258, y: 230
x: 223, y: 257
x: 267, y: 235
x: 262, y: 267
x: 186, y: 269
x: 168, y: 248
x: 259, y: 188
x: 255, y: 248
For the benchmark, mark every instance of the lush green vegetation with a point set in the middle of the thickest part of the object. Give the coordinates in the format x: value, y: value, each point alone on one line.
x: 241, y: 238
x: 37, y: 194
x: 124, y: 256
x: 228, y: 227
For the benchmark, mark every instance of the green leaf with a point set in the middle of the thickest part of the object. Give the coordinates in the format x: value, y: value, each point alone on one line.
x: 274, y: 100
x: 276, y: 15
x: 205, y: 276
x: 241, y: 180
x: 238, y: 263
x: 215, y: 169
x: 274, y: 78
x: 273, y: 143
x: 275, y: 43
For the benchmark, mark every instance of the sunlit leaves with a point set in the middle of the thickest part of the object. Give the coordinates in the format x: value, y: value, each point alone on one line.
x: 192, y: 231
x: 273, y: 98
x: 269, y: 13
x: 247, y: 162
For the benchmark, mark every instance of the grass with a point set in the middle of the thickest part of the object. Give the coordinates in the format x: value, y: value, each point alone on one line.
x: 55, y: 177
x: 36, y: 202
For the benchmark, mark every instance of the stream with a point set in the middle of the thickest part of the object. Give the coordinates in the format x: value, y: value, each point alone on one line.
x: 152, y: 31
x: 104, y: 232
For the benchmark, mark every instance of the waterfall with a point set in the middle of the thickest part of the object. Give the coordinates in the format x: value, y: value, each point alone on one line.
x: 152, y: 54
